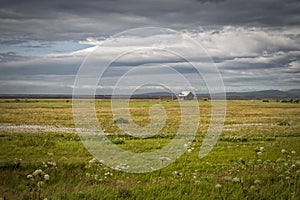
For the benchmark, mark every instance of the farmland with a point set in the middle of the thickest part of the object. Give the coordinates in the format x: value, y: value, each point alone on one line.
x: 256, y: 157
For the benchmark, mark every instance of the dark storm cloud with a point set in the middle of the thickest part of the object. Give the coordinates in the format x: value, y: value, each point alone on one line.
x: 10, y: 56
x: 11, y: 41
x: 76, y: 19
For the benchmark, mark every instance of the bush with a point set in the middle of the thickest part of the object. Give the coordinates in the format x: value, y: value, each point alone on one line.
x: 283, y: 123
x: 121, y: 121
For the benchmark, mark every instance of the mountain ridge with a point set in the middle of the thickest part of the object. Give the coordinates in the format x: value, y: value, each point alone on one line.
x: 260, y: 94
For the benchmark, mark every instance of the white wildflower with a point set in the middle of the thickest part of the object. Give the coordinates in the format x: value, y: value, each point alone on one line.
x: 227, y: 178
x: 280, y: 160
x: 190, y: 150
x: 286, y: 164
x: 252, y: 187
x: 287, y: 172
x: 293, y: 152
x: 236, y: 180
x: 29, y: 176
x: 46, y: 177
x: 283, y: 151
x: 257, y: 182
x: 218, y: 186
x: 45, y: 165
x: 259, y: 153
x: 40, y: 183
x: 92, y: 161
x: 293, y: 166
x: 262, y: 149
x: 176, y: 174
x: 37, y: 172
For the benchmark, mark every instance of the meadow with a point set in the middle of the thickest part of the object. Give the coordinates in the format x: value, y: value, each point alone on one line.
x: 256, y: 157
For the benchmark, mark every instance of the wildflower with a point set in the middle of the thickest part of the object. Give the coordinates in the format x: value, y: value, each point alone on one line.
x: 252, y: 187
x: 236, y: 180
x: 37, y: 172
x: 280, y: 160
x: 293, y: 152
x: 283, y: 151
x: 108, y: 174
x: 218, y: 186
x: 259, y: 161
x: 261, y: 149
x: 259, y: 153
x: 257, y: 182
x: 29, y: 176
x: 185, y: 145
x: 53, y: 164
x: 190, y: 150
x: 256, y: 149
x: 46, y: 177
x: 293, y: 166
x: 94, y: 160
x: 40, y: 183
x: 287, y: 178
x: 286, y: 164
x: 287, y: 172
x: 45, y: 165
x: 227, y: 178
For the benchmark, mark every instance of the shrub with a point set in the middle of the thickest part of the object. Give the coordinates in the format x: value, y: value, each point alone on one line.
x: 121, y: 121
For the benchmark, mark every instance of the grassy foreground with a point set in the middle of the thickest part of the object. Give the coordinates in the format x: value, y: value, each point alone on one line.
x: 256, y: 157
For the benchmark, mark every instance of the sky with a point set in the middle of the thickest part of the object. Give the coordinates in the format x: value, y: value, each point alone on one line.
x: 255, y: 45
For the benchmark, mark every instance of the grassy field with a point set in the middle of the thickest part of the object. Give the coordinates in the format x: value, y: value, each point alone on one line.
x: 256, y: 157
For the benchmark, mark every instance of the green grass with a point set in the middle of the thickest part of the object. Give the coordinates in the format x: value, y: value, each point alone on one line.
x: 232, y: 170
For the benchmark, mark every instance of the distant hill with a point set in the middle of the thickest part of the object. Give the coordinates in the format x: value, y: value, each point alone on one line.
x: 274, y: 94
x: 266, y: 94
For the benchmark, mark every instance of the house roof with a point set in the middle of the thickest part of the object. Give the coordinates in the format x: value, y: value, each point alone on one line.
x: 185, y: 93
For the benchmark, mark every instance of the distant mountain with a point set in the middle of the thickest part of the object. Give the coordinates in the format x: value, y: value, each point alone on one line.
x: 274, y: 94
x: 295, y: 93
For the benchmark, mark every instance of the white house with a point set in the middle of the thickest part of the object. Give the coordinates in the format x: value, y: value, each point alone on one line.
x: 186, y: 95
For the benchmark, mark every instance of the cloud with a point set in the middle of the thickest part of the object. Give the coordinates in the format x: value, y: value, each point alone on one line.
x: 77, y: 20
x: 10, y: 56
x: 43, y: 43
